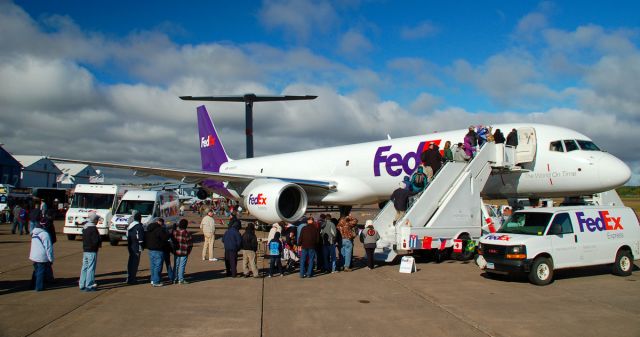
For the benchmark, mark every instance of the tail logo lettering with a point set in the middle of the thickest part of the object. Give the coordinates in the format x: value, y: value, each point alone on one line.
x: 207, y: 141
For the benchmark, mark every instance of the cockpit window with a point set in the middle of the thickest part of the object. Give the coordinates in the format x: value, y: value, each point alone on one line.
x: 556, y: 146
x: 587, y: 145
x: 570, y: 145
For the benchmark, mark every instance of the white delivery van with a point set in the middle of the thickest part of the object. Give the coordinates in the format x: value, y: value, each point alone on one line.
x: 538, y: 241
x: 101, y: 199
x: 150, y: 204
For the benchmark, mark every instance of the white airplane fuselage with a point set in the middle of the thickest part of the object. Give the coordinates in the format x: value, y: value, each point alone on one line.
x: 369, y: 172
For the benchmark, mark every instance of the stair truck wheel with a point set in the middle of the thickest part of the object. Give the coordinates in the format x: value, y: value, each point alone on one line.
x: 71, y: 237
x: 541, y: 272
x: 466, y: 254
x: 623, y: 265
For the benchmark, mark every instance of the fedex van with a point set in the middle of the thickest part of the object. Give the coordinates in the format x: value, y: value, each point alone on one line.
x: 538, y: 241
x: 101, y: 199
x: 150, y: 204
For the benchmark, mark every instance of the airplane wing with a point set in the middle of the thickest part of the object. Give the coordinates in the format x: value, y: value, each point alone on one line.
x: 195, y: 177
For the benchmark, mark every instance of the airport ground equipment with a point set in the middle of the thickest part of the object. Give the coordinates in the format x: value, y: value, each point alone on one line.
x: 448, y: 212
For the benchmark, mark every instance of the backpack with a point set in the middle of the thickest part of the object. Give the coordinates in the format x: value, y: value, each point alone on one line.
x: 23, y: 214
x: 327, y: 236
x: 274, y: 248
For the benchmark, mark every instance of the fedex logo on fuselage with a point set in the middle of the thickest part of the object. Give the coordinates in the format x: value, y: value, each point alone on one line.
x: 396, y: 163
x: 259, y: 199
x: 603, y: 223
x: 207, y: 141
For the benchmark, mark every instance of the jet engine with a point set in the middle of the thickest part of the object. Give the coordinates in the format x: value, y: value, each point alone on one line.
x: 272, y: 200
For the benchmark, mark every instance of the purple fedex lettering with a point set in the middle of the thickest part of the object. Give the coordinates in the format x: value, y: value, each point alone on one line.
x: 393, y: 161
x: 602, y: 223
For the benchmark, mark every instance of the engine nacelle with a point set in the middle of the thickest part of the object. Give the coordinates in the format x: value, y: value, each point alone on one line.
x: 272, y: 200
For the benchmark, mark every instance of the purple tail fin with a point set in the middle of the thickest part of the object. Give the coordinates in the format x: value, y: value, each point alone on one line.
x: 211, y: 150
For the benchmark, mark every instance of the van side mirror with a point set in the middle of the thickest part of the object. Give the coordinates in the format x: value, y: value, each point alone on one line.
x: 555, y: 229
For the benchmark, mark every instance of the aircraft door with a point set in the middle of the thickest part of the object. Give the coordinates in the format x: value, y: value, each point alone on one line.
x: 526, y: 150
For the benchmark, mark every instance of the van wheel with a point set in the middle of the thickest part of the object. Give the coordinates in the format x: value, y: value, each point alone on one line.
x: 541, y: 272
x: 113, y: 242
x: 623, y: 266
x: 71, y: 237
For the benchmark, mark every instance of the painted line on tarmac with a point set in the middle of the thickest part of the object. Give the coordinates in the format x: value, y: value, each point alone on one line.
x: 460, y: 317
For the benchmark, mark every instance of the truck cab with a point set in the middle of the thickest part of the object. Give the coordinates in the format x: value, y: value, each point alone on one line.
x: 150, y: 204
x: 538, y: 241
x: 101, y: 199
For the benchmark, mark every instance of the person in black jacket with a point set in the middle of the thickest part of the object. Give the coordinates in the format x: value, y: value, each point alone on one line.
x: 168, y: 248
x: 498, y: 137
x: 135, y: 245
x: 155, y: 240
x: 400, y: 198
x: 249, y: 248
x: 512, y: 138
x: 232, y: 242
x: 90, y: 244
x: 432, y: 160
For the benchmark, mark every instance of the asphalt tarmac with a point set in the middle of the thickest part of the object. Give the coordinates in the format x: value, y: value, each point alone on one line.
x: 452, y: 298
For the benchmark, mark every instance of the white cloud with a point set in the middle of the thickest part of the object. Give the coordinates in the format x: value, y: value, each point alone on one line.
x: 354, y: 44
x: 422, y: 30
x: 298, y: 18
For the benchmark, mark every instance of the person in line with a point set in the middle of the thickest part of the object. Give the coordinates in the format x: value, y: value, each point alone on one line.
x: 346, y: 227
x: 418, y: 181
x: 208, y: 227
x: 328, y: 234
x: 512, y: 138
x: 308, y: 240
x: 233, y: 219
x: 432, y: 160
x: 135, y: 245
x: 301, y: 224
x: 400, y: 198
x: 249, y: 249
x: 448, y: 154
x: 167, y: 249
x: 498, y: 137
x: 156, y: 239
x: 41, y: 254
x: 470, y: 142
x: 460, y: 154
x: 19, y: 214
x: 34, y: 216
x: 91, y: 242
x: 369, y: 236
x: 232, y: 242
x: 275, y: 228
x: 275, y: 255
x: 183, y: 243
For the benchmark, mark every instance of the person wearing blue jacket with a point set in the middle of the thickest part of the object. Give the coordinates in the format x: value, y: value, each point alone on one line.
x: 135, y: 245
x: 41, y: 254
x: 232, y: 242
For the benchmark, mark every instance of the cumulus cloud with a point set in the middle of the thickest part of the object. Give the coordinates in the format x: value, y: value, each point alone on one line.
x: 298, y: 18
x: 354, y: 44
x: 422, y: 30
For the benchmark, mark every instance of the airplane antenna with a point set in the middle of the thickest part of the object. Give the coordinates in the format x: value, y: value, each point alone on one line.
x: 248, y: 100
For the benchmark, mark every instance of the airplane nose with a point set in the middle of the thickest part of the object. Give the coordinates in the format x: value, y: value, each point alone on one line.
x: 613, y: 172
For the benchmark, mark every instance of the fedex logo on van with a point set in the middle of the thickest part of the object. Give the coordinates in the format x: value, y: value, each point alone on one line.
x: 207, y: 141
x: 259, y: 199
x: 396, y: 163
x: 603, y: 223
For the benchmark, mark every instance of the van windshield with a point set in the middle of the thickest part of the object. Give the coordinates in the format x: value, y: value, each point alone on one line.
x: 144, y: 207
x: 92, y: 200
x: 533, y: 223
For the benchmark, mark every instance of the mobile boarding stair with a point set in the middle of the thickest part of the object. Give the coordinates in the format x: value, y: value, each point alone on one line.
x: 449, y: 208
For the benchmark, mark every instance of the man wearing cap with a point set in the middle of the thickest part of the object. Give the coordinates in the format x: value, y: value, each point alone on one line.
x: 208, y: 226
x: 90, y: 244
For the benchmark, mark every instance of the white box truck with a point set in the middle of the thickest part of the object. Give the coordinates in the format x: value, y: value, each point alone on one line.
x: 150, y: 204
x: 538, y: 241
x: 101, y: 199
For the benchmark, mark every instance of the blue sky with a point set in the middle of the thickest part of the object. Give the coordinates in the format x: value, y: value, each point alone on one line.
x: 115, y: 68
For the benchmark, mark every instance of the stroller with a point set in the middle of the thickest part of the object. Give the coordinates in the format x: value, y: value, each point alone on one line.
x: 290, y: 255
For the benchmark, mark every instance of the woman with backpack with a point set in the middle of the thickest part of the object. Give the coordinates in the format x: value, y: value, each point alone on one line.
x: 369, y: 236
